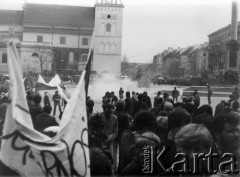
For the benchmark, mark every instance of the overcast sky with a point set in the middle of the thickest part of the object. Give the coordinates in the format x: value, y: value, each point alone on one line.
x: 151, y: 26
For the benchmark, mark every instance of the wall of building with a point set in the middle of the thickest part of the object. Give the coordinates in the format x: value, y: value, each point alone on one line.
x: 108, y: 43
x: 72, y: 41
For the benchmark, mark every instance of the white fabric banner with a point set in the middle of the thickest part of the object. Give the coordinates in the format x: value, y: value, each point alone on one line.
x: 41, y: 80
x: 64, y: 94
x: 56, y: 80
x: 31, y: 153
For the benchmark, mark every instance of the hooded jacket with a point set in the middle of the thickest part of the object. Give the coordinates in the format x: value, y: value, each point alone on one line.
x: 140, y: 157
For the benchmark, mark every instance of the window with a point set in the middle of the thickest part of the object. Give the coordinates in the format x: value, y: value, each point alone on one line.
x: 4, y: 58
x: 108, y: 27
x: 102, y: 31
x: 35, y: 55
x: 113, y: 49
x: 204, y: 54
x: 62, y: 40
x: 39, y: 38
x: 113, y: 31
x: 107, y: 49
x: 71, y: 58
x: 84, y: 41
x: 84, y: 58
x: 101, y: 48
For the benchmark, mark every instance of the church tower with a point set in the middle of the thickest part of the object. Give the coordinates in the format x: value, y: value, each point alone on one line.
x: 108, y: 36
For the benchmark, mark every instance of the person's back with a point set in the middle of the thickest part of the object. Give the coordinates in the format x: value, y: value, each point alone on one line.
x: 131, y: 160
x: 128, y: 103
x: 156, y: 98
x: 44, y: 120
x: 123, y: 120
x: 236, y: 94
x: 36, y: 109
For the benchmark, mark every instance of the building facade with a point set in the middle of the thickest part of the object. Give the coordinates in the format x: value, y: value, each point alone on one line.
x: 55, y: 37
x: 218, y: 61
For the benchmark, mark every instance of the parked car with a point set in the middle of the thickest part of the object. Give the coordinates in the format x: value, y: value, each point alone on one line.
x: 159, y: 80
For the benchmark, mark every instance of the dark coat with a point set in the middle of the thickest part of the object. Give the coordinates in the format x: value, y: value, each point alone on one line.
x: 131, y: 159
x: 43, y: 121
x: 129, y: 106
x: 123, y: 123
x: 35, y: 110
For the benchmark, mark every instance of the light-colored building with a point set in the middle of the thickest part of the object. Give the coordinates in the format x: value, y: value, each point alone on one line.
x: 108, y: 37
x: 11, y: 26
x: 218, y: 51
x: 57, y: 37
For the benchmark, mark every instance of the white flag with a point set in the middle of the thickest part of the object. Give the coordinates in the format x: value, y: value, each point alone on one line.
x: 56, y: 80
x: 31, y: 153
x: 41, y: 80
x: 64, y: 94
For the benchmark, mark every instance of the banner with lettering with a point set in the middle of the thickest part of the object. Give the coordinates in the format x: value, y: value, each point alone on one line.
x: 31, y: 153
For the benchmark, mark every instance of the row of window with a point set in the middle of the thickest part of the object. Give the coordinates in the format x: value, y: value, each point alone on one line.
x: 70, y: 57
x: 62, y: 40
x: 219, y: 38
x: 107, y: 48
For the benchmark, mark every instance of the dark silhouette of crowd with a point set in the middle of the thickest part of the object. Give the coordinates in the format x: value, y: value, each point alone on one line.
x: 128, y: 129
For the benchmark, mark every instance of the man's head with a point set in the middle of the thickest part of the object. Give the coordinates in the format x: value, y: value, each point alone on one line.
x: 226, y: 131
x: 112, y: 93
x: 128, y: 94
x: 47, y: 109
x: 165, y: 95
x: 108, y: 109
x: 168, y: 107
x: 175, y: 88
x: 96, y: 124
x: 144, y: 121
x: 56, y: 92
x: 231, y: 97
x: 159, y: 93
x: 178, y: 118
x: 133, y: 93
x: 45, y: 93
x: 120, y: 106
x: 140, y: 97
x: 37, y: 99
x: 193, y: 138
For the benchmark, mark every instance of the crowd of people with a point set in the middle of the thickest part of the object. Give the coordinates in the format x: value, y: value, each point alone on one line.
x: 130, y: 127
x: 133, y: 137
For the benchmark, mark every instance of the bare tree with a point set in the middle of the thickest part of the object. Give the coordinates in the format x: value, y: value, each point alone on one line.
x: 45, y: 55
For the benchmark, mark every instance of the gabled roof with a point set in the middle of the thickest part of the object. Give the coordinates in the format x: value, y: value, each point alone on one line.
x: 59, y: 15
x: 8, y: 17
x: 186, y: 52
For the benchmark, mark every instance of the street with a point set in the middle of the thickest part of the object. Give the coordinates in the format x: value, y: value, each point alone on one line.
x: 97, y: 90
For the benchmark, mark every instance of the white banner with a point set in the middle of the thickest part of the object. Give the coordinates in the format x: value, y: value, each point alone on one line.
x: 31, y: 153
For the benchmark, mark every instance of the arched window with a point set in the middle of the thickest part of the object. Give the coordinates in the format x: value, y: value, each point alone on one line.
x: 114, y: 30
x: 113, y: 48
x: 108, y: 29
x: 101, y: 48
x: 4, y: 58
x: 107, y: 49
x: 35, y: 54
x: 84, y: 58
x: 102, y: 30
x: 71, y: 58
